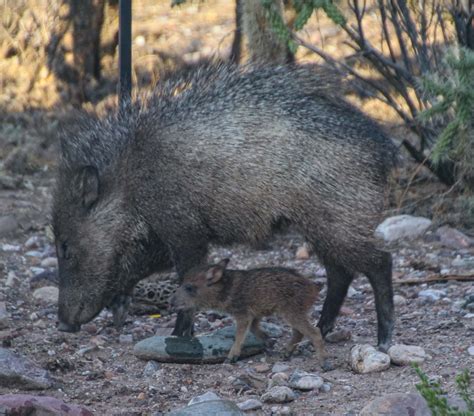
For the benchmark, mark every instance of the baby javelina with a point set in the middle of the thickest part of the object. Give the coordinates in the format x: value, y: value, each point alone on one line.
x: 251, y: 295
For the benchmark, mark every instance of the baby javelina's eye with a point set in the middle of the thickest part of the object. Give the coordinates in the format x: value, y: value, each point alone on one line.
x: 191, y: 289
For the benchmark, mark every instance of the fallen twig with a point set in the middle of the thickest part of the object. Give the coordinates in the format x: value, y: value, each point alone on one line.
x: 436, y: 278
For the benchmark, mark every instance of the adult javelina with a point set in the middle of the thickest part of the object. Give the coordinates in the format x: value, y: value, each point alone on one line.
x: 221, y: 156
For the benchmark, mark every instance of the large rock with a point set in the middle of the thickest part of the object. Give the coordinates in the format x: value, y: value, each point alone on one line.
x: 208, y: 348
x: 366, y: 359
x: 407, y: 354
x: 26, y: 404
x: 278, y: 394
x: 402, y: 227
x: 452, y: 238
x: 46, y: 294
x: 397, y: 404
x: 18, y: 371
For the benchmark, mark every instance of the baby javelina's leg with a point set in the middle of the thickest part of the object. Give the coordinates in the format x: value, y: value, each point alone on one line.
x: 257, y: 330
x: 243, y: 326
x: 301, y: 327
x: 295, y: 339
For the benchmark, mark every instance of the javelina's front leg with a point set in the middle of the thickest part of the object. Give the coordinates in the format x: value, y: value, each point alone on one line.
x: 184, y: 326
x: 243, y: 325
x: 185, y: 258
x: 119, y: 308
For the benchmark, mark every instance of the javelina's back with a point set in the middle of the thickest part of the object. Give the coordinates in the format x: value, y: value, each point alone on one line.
x: 267, y: 144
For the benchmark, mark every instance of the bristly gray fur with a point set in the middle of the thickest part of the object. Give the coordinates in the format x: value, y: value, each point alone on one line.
x: 221, y: 155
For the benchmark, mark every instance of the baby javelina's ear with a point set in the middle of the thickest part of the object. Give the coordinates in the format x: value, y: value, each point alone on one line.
x: 215, y: 273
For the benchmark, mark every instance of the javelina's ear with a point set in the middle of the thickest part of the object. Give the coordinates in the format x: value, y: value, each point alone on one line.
x: 87, y: 185
x: 214, y: 274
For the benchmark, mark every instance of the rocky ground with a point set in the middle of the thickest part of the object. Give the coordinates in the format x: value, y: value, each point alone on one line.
x: 97, y: 369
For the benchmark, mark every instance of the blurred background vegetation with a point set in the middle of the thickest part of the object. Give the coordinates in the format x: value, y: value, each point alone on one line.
x: 409, y: 65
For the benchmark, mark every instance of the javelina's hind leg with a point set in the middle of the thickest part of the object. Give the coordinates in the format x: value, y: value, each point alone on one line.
x: 339, y: 278
x: 379, y: 273
x: 243, y: 325
x: 296, y: 337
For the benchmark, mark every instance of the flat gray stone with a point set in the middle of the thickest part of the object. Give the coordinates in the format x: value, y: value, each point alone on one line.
x: 21, y: 372
x: 208, y: 408
x: 26, y: 404
x: 397, y: 404
x: 206, y: 348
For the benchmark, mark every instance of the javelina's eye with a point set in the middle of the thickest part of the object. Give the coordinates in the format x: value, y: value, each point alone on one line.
x: 191, y: 289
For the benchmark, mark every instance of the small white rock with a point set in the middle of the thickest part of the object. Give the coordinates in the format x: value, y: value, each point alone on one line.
x: 302, y: 380
x: 32, y: 242
x: 206, y: 397
x: 326, y: 387
x: 278, y: 379
x: 279, y: 394
x: 352, y: 293
x: 280, y: 367
x: 407, y: 354
x: 302, y: 253
x: 34, y: 253
x: 399, y: 300
x: 125, y: 338
x: 49, y: 262
x: 250, y: 404
x: 366, y: 359
x: 402, y: 227
x: 46, y: 294
x: 470, y: 350
x: 36, y: 270
x: 469, y: 316
x: 432, y: 295
x: 10, y: 248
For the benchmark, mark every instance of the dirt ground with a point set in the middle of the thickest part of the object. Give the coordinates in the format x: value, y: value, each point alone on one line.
x: 96, y: 367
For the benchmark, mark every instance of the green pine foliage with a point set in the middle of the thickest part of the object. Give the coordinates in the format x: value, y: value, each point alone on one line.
x: 436, y: 397
x: 304, y: 10
x: 453, y: 93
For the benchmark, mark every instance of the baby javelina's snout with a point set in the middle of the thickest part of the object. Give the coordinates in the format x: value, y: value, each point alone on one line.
x: 249, y: 295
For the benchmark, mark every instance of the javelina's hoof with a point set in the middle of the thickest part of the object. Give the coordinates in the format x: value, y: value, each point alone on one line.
x: 64, y: 327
